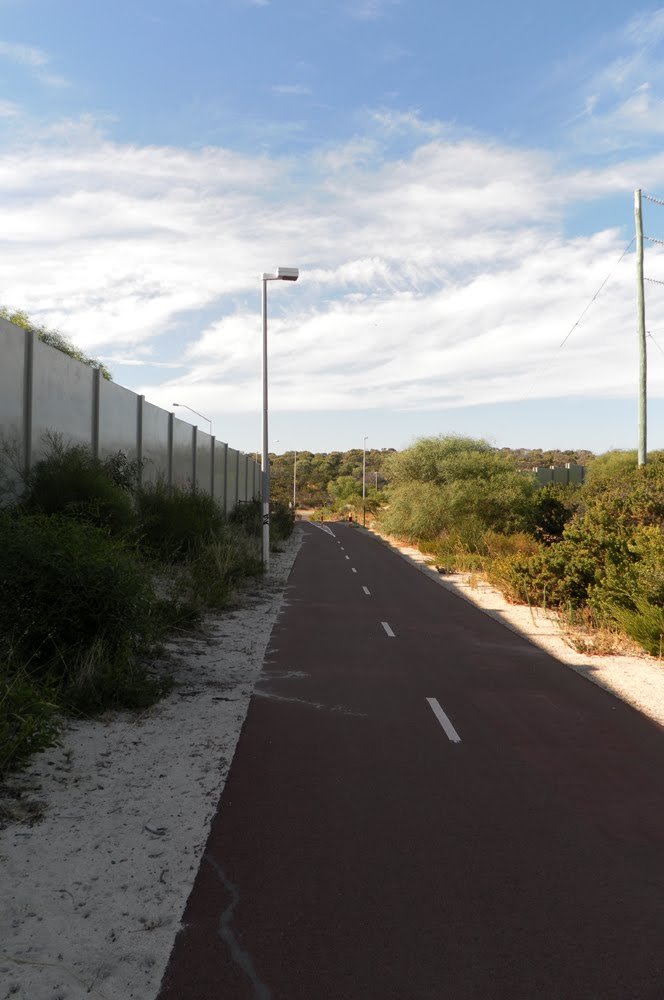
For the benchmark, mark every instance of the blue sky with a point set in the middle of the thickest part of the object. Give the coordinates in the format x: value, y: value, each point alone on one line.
x: 454, y: 182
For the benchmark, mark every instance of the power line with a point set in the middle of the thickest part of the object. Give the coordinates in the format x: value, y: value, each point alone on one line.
x: 655, y: 343
x: 649, y: 197
x: 609, y: 275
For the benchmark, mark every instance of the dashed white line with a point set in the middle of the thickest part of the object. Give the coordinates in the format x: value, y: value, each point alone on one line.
x: 366, y: 591
x: 388, y: 630
x: 347, y: 557
x: 450, y: 731
x: 354, y: 570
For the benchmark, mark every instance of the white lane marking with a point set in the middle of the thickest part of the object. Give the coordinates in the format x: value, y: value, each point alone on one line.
x: 323, y: 527
x: 450, y: 731
x: 388, y: 630
x: 347, y: 557
x: 366, y: 591
x: 342, y: 548
x: 354, y: 570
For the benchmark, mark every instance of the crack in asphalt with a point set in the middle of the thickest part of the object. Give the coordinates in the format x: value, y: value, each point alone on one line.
x: 310, y: 704
x: 240, y: 957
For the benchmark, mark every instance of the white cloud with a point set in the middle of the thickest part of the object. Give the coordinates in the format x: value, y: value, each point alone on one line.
x: 439, y: 279
x: 9, y: 109
x: 370, y: 10
x: 392, y: 122
x: 34, y: 59
x: 26, y: 55
x: 624, y: 100
x: 290, y: 89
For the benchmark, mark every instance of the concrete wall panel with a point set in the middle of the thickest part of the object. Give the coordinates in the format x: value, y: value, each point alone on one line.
x: 183, y: 457
x: 12, y: 380
x: 231, y: 481
x: 61, y: 399
x: 220, y: 472
x: 155, y: 444
x: 117, y: 420
x: 203, y: 462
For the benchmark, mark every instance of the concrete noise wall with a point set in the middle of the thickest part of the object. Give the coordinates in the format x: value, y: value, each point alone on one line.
x: 43, y: 391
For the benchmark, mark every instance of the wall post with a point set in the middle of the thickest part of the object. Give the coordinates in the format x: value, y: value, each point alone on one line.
x: 28, y: 381
x: 94, y: 435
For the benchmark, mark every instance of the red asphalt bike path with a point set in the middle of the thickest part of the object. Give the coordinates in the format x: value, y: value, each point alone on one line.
x: 358, y: 852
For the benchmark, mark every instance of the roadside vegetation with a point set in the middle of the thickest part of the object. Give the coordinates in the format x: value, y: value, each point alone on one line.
x: 54, y: 338
x: 594, y: 552
x: 95, y: 572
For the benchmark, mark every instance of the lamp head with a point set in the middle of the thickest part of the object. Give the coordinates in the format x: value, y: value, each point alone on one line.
x: 288, y: 273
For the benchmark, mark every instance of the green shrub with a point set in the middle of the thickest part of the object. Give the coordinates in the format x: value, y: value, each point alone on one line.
x: 174, y: 523
x: 70, y: 482
x: 552, y: 507
x: 221, y: 564
x: 249, y: 516
x: 29, y: 719
x: 455, y: 485
x: 77, y: 607
x: 644, y: 622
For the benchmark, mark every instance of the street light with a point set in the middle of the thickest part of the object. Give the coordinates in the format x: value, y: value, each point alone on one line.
x: 184, y: 406
x: 283, y: 274
x: 364, y: 482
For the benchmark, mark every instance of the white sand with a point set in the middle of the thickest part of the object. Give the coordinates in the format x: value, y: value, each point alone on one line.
x: 91, y: 896
x: 637, y: 679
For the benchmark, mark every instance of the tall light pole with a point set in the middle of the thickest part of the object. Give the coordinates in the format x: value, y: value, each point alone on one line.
x: 185, y: 407
x: 364, y: 482
x: 283, y: 274
x: 641, y: 319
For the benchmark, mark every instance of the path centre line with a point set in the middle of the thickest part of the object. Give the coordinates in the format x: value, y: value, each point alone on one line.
x: 450, y: 731
x: 388, y: 630
x: 366, y: 591
x: 354, y: 570
x: 347, y: 557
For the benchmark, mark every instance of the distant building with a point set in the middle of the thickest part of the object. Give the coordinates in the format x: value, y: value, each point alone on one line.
x: 568, y: 473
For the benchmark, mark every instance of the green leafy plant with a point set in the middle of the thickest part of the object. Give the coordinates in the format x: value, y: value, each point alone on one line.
x: 70, y: 482
x: 77, y: 606
x: 29, y: 718
x: 174, y: 523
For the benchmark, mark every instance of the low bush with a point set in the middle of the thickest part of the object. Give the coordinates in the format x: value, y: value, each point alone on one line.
x: 70, y: 482
x: 77, y: 608
x: 249, y: 516
x: 219, y: 565
x: 29, y: 718
x: 173, y: 523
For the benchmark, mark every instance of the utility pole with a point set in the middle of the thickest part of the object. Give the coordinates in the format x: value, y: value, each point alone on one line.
x: 364, y: 483
x: 641, y: 317
x: 294, y: 481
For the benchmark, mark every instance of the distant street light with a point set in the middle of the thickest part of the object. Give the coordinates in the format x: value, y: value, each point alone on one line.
x: 185, y: 407
x: 283, y: 274
x: 364, y: 482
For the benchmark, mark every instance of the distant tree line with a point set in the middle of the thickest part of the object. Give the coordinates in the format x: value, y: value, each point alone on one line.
x: 326, y: 479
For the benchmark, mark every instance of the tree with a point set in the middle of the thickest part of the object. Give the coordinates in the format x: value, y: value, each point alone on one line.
x: 453, y: 484
x: 54, y: 339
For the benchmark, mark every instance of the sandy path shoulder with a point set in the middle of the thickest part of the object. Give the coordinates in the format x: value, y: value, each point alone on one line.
x: 92, y: 895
